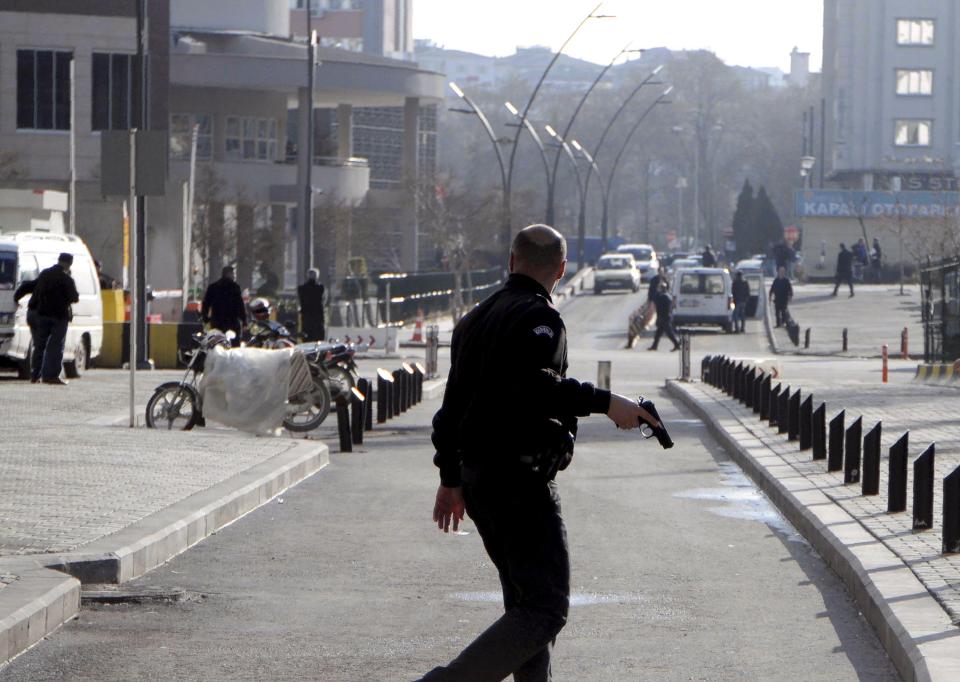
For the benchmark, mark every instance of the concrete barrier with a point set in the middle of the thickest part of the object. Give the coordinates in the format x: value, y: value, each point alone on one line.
x: 938, y: 373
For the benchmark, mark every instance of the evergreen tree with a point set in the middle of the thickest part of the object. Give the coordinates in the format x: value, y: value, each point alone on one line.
x: 766, y: 225
x: 742, y: 218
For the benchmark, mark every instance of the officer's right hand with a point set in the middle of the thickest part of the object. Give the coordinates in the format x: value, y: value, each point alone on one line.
x: 626, y: 413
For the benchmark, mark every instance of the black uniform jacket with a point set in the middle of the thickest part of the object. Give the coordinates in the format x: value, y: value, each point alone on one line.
x: 55, y: 292
x: 844, y: 262
x: 310, y: 294
x: 740, y: 291
x: 664, y: 304
x: 509, y: 360
x: 223, y: 305
x: 781, y: 290
x: 26, y: 288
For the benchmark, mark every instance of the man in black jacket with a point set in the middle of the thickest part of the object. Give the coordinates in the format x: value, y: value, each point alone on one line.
x: 781, y: 292
x: 223, y: 305
x: 312, y: 322
x: 55, y: 292
x: 664, y: 304
x: 741, y: 299
x: 708, y: 259
x: 507, y: 422
x: 844, y: 270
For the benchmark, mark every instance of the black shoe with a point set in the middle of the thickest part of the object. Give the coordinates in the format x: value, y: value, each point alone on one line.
x: 55, y: 382
x: 652, y: 348
x: 851, y: 294
x: 34, y: 380
x: 675, y: 349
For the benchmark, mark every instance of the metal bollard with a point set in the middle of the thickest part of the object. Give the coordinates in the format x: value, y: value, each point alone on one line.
x: 897, y: 480
x: 951, y: 512
x: 409, y: 375
x: 885, y: 364
x: 870, y: 484
x: 604, y: 370
x: 685, y: 357
x: 851, y: 452
x: 705, y: 368
x: 358, y: 408
x: 905, y: 344
x: 819, y: 432
x: 774, y: 406
x: 384, y: 396
x: 806, y: 423
x: 366, y: 386
x: 835, y: 450
x: 758, y: 391
x: 806, y: 338
x: 343, y: 424
x: 747, y: 394
x: 923, y: 490
x: 765, y: 398
x: 793, y: 417
x: 421, y: 373
x: 783, y: 411
x: 844, y: 339
x: 396, y: 393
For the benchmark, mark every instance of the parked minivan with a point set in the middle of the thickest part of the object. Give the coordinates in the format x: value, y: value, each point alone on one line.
x: 22, y: 256
x: 703, y: 296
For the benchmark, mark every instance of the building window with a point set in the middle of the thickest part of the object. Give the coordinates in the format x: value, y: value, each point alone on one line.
x: 251, y: 139
x: 112, y: 91
x: 912, y: 132
x: 43, y: 89
x: 181, y: 131
x: 914, y: 82
x: 914, y: 31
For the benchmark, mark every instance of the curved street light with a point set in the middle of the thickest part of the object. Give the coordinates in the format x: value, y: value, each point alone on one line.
x: 475, y: 110
x: 593, y: 169
x: 581, y: 222
x: 525, y: 122
x: 566, y: 131
x: 506, y: 236
x: 616, y: 162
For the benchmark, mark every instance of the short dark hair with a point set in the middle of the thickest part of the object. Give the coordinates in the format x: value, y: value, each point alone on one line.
x: 227, y: 270
x: 539, y: 248
x: 65, y: 258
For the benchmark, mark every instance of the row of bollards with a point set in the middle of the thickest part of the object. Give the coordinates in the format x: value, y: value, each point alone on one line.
x: 845, y: 448
x: 396, y: 392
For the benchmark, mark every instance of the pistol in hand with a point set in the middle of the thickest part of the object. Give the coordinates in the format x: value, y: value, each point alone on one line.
x: 650, y: 431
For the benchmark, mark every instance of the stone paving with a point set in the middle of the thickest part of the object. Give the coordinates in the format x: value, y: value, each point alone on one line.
x: 929, y: 413
x: 875, y: 316
x: 66, y: 479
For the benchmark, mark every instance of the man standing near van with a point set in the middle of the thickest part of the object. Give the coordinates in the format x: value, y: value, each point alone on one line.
x: 55, y: 293
x: 223, y: 305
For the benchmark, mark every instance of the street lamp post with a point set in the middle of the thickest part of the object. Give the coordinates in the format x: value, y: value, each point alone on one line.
x: 581, y: 220
x: 681, y: 185
x: 530, y: 128
x: 566, y: 131
x: 611, y: 176
x: 593, y: 168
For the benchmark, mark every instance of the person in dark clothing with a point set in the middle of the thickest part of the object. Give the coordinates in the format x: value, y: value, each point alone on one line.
x: 271, y: 283
x: 503, y: 476
x: 106, y: 281
x: 781, y: 291
x: 876, y: 259
x: 661, y: 276
x: 664, y: 304
x: 844, y: 270
x: 709, y: 260
x: 223, y: 307
x: 741, y: 298
x: 310, y: 294
x: 783, y: 255
x: 55, y: 292
x: 27, y: 288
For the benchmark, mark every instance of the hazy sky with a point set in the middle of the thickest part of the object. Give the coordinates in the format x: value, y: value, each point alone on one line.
x: 744, y: 32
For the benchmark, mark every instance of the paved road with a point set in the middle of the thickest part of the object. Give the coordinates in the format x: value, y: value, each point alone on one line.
x: 681, y: 570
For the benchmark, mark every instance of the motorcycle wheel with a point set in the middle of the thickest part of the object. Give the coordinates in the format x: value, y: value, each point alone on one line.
x: 173, y: 406
x: 307, y: 411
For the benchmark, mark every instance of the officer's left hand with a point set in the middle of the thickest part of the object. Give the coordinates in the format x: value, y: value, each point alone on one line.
x: 449, y: 507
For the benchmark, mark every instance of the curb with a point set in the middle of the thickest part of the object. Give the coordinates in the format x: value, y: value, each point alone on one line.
x: 937, y: 373
x: 33, y: 606
x: 912, y: 626
x: 154, y: 540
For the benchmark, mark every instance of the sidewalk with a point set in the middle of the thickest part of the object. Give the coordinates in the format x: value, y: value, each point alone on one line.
x: 876, y: 315
x: 105, y: 503
x: 908, y: 590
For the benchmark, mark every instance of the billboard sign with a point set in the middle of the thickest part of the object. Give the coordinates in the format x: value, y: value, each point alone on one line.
x: 855, y: 204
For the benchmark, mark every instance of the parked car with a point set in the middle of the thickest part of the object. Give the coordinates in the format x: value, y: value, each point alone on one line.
x: 22, y: 256
x: 703, y: 296
x: 646, y: 258
x: 683, y: 263
x: 616, y: 271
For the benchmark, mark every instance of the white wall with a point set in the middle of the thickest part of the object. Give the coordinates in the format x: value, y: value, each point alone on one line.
x: 260, y: 16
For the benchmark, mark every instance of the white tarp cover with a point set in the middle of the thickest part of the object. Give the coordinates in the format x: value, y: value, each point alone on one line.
x: 246, y: 388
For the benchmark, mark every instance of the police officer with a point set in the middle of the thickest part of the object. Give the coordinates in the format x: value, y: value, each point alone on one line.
x: 311, y: 295
x: 223, y: 305
x: 55, y: 292
x: 507, y: 424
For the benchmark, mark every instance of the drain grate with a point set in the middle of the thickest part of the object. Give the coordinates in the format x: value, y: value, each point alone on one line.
x: 122, y: 594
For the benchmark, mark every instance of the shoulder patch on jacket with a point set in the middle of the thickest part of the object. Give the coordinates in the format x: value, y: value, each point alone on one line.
x: 543, y: 330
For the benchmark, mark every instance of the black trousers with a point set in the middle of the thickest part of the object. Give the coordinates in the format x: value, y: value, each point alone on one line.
x: 841, y: 278
x: 518, y: 518
x: 313, y: 328
x: 661, y: 330
x: 783, y: 315
x: 49, y: 336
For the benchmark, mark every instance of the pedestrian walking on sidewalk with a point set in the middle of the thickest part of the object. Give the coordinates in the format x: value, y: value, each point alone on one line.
x: 503, y: 477
x: 844, y: 270
x: 55, y: 292
x: 876, y: 259
x: 664, y: 304
x: 781, y: 292
x: 223, y: 307
x: 655, y: 281
x: 310, y: 294
x: 741, y: 299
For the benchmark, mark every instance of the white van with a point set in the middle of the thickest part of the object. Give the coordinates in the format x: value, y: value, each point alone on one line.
x: 703, y: 296
x: 22, y: 256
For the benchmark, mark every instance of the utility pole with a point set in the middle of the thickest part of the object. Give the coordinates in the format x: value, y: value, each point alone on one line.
x: 308, y: 171
x: 139, y: 240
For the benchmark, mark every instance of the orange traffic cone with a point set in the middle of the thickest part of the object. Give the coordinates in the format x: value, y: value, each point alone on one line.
x: 418, y: 329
